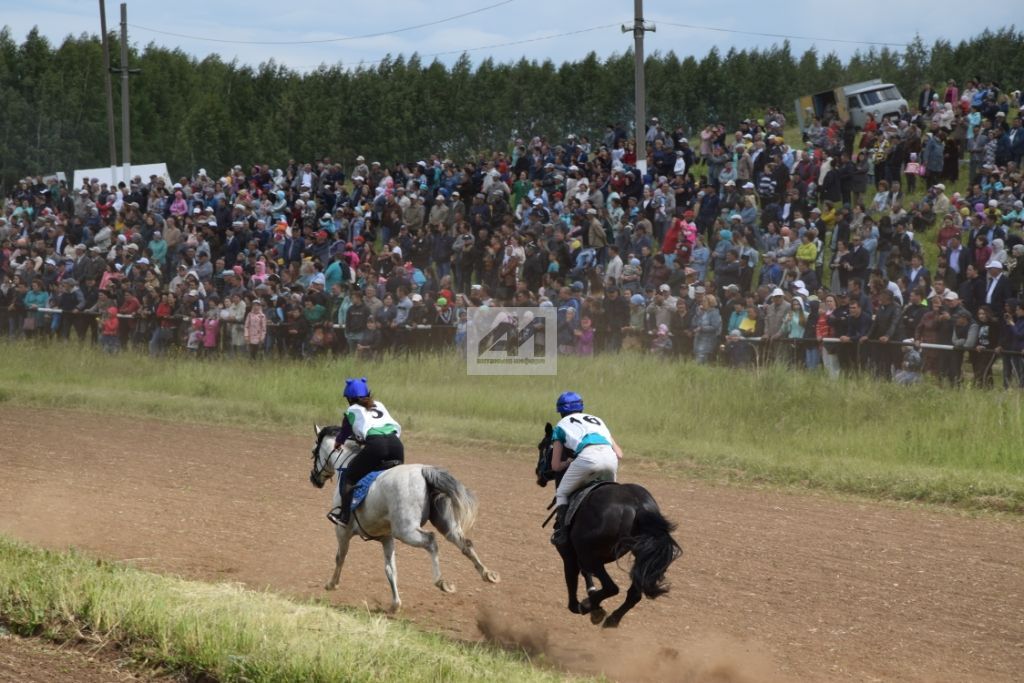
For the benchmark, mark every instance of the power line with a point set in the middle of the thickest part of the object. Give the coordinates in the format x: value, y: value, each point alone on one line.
x: 326, y: 40
x: 484, y: 47
x: 779, y: 35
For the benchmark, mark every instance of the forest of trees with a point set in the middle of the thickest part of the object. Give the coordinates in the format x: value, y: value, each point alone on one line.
x: 191, y: 113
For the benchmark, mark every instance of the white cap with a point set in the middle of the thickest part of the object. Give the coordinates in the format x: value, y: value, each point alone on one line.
x: 748, y: 186
x: 143, y: 261
x: 417, y: 298
x: 777, y: 292
x: 994, y: 264
x: 950, y: 295
x: 664, y: 288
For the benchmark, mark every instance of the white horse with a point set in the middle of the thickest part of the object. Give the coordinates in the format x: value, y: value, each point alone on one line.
x: 397, y: 505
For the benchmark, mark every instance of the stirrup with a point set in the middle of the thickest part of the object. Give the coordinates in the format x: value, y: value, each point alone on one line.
x: 335, y: 517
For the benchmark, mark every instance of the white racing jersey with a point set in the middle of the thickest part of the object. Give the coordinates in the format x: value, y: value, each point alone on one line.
x: 579, y: 430
x: 375, y: 421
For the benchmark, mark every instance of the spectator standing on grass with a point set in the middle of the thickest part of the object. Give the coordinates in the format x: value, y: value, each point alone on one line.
x: 109, y: 340
x: 707, y: 326
x: 211, y: 332
x: 255, y: 329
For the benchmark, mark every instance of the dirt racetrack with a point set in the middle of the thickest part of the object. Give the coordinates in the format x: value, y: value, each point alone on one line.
x: 772, y: 585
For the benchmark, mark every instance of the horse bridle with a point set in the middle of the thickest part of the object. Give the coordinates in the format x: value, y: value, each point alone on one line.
x: 315, y: 475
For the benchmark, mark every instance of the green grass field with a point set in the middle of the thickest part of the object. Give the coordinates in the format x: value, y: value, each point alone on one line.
x: 776, y: 426
x: 226, y: 633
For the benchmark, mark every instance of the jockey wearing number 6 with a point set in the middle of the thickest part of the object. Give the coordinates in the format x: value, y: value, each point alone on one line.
x: 369, y: 423
x: 597, y: 454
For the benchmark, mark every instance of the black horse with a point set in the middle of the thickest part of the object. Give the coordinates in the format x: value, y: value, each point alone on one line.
x: 614, y: 520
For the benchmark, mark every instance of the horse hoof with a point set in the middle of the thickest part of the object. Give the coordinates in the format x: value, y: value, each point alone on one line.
x: 330, y: 586
x: 610, y: 622
x: 445, y: 586
x: 597, y: 616
x: 491, y: 577
x: 585, y: 606
x: 396, y: 607
x: 575, y: 609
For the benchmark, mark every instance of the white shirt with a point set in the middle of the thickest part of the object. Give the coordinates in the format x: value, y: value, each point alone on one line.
x: 581, y: 428
x: 614, y: 270
x: 991, y: 288
x: 371, y: 421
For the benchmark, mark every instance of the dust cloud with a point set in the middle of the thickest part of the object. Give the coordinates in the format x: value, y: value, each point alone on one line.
x: 630, y: 658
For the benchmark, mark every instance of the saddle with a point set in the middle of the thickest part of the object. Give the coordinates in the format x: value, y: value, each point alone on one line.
x: 363, y: 485
x: 579, y: 496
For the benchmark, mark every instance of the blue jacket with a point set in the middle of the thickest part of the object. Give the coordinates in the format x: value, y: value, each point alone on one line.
x: 933, y: 155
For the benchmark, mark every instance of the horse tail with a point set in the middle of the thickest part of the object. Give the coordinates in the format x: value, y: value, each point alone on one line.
x: 654, y: 550
x: 454, y: 504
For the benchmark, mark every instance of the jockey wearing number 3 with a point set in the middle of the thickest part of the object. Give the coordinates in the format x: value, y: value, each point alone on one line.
x: 597, y: 454
x: 369, y: 423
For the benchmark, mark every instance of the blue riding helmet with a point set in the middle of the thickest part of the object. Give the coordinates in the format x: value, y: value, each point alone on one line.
x: 356, y: 388
x: 569, y: 402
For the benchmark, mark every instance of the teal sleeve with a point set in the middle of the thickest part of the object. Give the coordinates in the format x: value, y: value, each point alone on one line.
x: 558, y: 435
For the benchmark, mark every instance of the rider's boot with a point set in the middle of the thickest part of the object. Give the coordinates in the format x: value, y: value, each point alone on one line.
x: 343, y: 513
x: 561, y: 534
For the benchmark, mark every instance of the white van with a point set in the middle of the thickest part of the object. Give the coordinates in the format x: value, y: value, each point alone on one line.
x: 854, y: 101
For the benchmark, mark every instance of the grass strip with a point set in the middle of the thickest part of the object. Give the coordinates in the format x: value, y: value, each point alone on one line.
x: 775, y: 426
x: 227, y: 632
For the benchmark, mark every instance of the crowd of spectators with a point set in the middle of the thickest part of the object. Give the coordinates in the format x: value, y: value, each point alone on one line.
x: 738, y: 249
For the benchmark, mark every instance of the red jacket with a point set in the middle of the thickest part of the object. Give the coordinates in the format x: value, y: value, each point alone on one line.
x: 111, y: 324
x: 668, y: 246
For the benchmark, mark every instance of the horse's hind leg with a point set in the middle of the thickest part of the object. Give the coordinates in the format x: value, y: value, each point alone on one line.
x: 632, y: 597
x: 344, y: 534
x: 466, y: 546
x: 419, y: 538
x: 391, y: 571
x: 592, y: 603
x: 463, y: 544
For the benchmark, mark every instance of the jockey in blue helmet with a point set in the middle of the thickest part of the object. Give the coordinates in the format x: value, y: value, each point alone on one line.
x: 369, y: 423
x: 597, y: 454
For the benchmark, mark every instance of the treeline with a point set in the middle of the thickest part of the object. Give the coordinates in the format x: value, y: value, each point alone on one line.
x: 191, y: 113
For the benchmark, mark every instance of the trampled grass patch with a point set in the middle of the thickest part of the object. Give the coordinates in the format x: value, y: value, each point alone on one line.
x: 227, y: 632
x: 922, y: 443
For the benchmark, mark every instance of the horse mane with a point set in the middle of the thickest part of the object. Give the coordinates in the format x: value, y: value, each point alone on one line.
x: 330, y: 430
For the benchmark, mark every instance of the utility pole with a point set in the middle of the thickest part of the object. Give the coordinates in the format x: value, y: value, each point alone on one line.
x: 639, y: 28
x: 126, y: 126
x: 110, y: 90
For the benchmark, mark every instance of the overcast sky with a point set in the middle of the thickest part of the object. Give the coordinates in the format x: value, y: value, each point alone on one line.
x: 274, y: 27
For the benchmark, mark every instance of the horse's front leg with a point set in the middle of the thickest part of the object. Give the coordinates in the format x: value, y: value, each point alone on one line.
x: 344, y: 534
x: 391, y: 571
x: 571, y: 567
